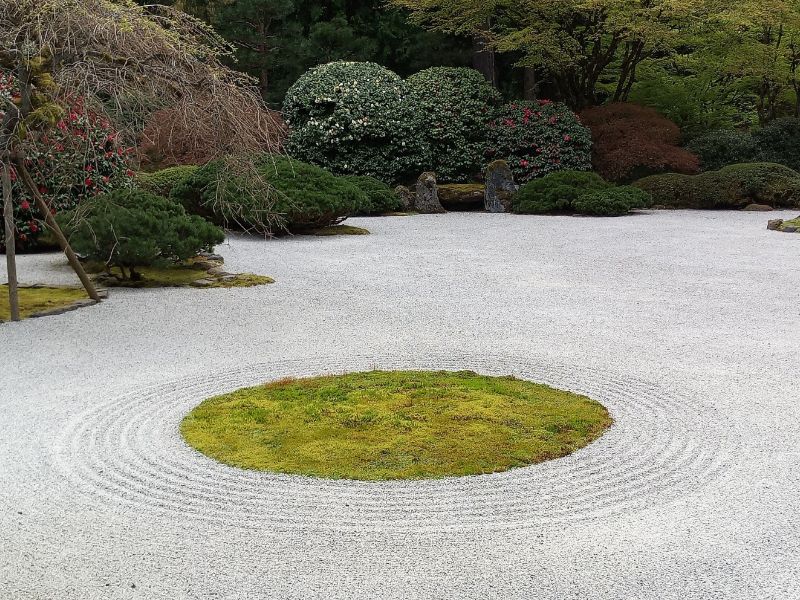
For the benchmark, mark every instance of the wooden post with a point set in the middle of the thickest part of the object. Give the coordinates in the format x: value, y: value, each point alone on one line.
x: 11, y: 255
x: 22, y: 172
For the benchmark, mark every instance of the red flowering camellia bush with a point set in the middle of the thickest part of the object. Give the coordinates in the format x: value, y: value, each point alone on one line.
x: 537, y: 138
x: 80, y: 158
x: 632, y: 141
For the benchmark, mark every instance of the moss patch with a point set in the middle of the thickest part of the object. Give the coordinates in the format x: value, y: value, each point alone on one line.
x: 791, y: 223
x: 33, y: 300
x: 340, y: 230
x: 393, y: 425
x: 184, y: 276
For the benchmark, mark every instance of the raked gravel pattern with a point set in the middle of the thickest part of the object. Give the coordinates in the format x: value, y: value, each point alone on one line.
x: 686, y: 325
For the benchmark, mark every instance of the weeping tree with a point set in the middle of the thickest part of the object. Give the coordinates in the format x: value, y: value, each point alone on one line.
x: 123, y: 63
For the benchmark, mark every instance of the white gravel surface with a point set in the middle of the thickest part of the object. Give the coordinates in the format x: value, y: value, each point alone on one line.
x: 685, y: 324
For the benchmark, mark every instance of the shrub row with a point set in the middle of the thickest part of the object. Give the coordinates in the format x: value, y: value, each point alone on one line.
x: 731, y: 187
x: 362, y: 119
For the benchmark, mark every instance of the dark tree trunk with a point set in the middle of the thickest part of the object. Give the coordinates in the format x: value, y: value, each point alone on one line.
x: 529, y: 84
x: 483, y: 60
x: 11, y: 259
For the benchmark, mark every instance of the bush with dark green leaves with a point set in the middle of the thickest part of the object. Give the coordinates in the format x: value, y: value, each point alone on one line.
x: 731, y: 187
x: 611, y: 202
x: 133, y: 228
x: 722, y: 148
x: 161, y: 182
x: 302, y: 196
x: 538, y: 138
x: 578, y: 192
x: 355, y: 118
x: 555, y: 192
x: 457, y: 103
x: 380, y: 197
x: 779, y: 142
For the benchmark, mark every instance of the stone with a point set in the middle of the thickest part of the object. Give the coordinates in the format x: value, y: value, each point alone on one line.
x: 406, y: 196
x: 789, y: 229
x: 774, y: 224
x: 758, y: 208
x: 427, y: 197
x: 462, y: 196
x: 500, y: 187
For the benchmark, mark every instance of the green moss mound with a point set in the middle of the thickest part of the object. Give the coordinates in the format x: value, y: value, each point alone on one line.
x: 383, y: 425
x: 33, y: 300
x: 340, y: 230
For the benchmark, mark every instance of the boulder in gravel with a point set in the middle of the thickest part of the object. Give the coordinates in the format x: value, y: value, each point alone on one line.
x: 427, y: 197
x: 500, y: 187
x: 774, y: 224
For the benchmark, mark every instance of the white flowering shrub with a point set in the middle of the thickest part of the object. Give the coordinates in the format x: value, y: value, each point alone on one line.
x: 355, y: 118
x: 457, y: 104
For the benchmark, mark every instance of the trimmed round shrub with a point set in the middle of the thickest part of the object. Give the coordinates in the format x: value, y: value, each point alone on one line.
x: 380, y: 198
x: 555, y: 192
x: 354, y: 118
x: 456, y: 104
x: 161, y: 182
x: 731, y: 187
x: 539, y: 138
x: 779, y: 142
x: 722, y: 148
x: 303, y: 196
x: 611, y: 202
x: 133, y: 228
x: 80, y: 158
x: 631, y: 141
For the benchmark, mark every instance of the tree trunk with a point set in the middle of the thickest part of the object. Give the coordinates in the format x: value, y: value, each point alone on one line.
x: 11, y: 258
x: 483, y: 60
x: 529, y: 83
x: 22, y: 171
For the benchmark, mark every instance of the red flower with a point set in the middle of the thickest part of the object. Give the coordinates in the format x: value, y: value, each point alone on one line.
x: 34, y: 227
x: 25, y: 205
x: 129, y: 173
x: 88, y: 182
x: 523, y: 163
x: 567, y: 138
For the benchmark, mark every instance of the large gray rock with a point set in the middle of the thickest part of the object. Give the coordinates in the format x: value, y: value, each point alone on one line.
x: 500, y: 187
x: 427, y: 199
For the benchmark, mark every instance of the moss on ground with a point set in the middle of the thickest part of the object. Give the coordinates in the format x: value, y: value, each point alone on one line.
x: 340, y: 230
x: 185, y: 276
x: 34, y: 300
x: 791, y: 223
x: 383, y: 425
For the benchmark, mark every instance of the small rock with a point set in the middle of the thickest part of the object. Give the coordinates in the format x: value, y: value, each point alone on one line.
x: 219, y: 271
x: 774, y: 224
x: 758, y: 208
x: 203, y: 283
x: 500, y: 187
x: 427, y: 197
x: 406, y: 196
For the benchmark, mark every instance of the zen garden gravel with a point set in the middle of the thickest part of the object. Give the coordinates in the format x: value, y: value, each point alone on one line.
x: 685, y: 325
